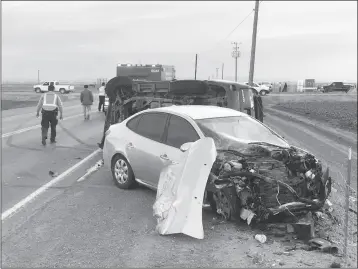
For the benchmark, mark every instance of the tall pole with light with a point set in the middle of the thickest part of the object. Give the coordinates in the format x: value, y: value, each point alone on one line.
x: 235, y: 54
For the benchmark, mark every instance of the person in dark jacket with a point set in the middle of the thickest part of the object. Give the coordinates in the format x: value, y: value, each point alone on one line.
x: 86, y: 101
x: 284, y: 87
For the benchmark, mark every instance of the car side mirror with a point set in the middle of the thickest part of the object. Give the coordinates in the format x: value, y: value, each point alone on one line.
x: 186, y: 146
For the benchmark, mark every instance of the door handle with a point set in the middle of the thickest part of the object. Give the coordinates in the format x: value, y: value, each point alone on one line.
x: 164, y: 157
x: 130, y: 146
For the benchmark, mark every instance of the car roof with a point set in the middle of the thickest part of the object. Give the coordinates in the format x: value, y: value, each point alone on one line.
x: 198, y: 112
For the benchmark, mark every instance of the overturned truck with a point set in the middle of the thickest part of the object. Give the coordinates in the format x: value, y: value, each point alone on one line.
x: 127, y: 96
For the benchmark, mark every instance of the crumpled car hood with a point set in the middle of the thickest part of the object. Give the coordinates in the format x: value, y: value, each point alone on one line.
x: 248, y: 181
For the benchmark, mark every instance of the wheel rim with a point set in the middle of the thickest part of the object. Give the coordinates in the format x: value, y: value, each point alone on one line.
x: 263, y: 93
x: 121, y: 171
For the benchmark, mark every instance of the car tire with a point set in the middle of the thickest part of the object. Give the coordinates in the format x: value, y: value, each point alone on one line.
x: 210, y: 199
x: 122, y: 173
x: 38, y: 90
x: 263, y: 93
x: 62, y: 91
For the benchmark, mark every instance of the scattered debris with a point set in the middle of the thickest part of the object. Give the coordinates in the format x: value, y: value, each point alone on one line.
x: 261, y: 238
x: 265, y: 181
x: 323, y: 245
x: 335, y: 265
x: 91, y: 170
x: 53, y: 174
x: 328, y: 206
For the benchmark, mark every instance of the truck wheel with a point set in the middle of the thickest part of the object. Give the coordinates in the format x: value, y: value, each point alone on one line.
x: 263, y: 93
x: 38, y: 90
x: 62, y: 91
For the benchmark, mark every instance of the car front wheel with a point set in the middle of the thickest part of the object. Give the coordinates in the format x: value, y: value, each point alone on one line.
x: 62, y: 91
x: 38, y: 90
x: 263, y: 93
x: 122, y: 173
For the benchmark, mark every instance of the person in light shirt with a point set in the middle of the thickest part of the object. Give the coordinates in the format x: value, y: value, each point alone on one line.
x: 49, y: 104
x: 102, y: 96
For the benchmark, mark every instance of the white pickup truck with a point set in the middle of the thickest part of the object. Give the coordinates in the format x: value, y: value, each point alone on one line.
x: 261, y: 89
x: 58, y: 87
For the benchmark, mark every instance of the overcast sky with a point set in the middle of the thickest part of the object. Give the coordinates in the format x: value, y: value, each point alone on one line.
x: 85, y: 40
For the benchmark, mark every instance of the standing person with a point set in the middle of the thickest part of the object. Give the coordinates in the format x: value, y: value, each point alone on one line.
x: 86, y: 101
x: 102, y: 96
x: 284, y: 87
x: 279, y: 87
x: 49, y: 104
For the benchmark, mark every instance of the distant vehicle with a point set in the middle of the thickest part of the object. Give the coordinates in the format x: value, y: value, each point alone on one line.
x: 149, y: 72
x: 268, y: 84
x: 337, y: 87
x: 261, y: 89
x: 62, y: 88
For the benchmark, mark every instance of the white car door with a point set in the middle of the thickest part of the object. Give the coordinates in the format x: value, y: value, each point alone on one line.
x: 145, y: 147
x: 57, y: 86
x: 179, y: 132
x: 44, y: 86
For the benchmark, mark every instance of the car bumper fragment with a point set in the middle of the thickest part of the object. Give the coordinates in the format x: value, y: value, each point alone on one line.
x: 181, y: 188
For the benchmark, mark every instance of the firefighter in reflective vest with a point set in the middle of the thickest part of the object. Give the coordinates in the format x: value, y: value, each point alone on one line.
x: 50, y: 104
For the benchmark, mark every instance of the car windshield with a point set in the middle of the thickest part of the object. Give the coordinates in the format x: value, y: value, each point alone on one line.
x: 241, y: 129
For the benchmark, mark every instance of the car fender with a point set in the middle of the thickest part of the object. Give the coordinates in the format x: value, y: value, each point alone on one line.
x: 181, y: 188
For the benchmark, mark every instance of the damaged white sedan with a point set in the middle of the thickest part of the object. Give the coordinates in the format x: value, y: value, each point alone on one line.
x: 243, y: 168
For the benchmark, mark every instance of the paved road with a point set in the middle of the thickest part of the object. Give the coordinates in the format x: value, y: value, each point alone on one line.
x: 94, y: 224
x: 26, y: 163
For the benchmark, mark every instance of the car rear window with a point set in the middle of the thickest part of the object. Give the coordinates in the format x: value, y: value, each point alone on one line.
x: 132, y: 124
x: 151, y: 125
x: 180, y: 132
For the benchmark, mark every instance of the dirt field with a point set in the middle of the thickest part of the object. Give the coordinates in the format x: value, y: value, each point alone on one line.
x: 340, y: 111
x: 337, y: 113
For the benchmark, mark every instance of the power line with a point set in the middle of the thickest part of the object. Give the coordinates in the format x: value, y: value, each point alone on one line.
x: 240, y: 23
x: 237, y: 26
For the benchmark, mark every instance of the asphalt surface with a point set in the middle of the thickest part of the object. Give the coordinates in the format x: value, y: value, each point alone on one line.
x: 92, y: 223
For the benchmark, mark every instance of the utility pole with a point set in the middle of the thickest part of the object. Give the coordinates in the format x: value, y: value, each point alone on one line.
x: 253, y: 46
x: 235, y: 54
x: 38, y: 76
x: 222, y: 71
x: 217, y: 73
x: 196, y: 64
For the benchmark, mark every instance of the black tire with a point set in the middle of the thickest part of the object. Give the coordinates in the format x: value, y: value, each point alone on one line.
x: 210, y: 199
x: 120, y: 162
x: 62, y: 91
x: 263, y: 93
x: 38, y: 90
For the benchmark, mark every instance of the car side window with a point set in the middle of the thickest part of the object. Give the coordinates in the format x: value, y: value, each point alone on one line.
x: 45, y: 84
x: 180, y: 131
x: 151, y: 125
x: 133, y: 123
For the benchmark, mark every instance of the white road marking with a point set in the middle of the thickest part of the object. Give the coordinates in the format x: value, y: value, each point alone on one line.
x: 33, y: 127
x: 36, y: 193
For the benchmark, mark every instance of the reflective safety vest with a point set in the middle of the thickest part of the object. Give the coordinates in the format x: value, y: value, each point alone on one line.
x: 49, y: 104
